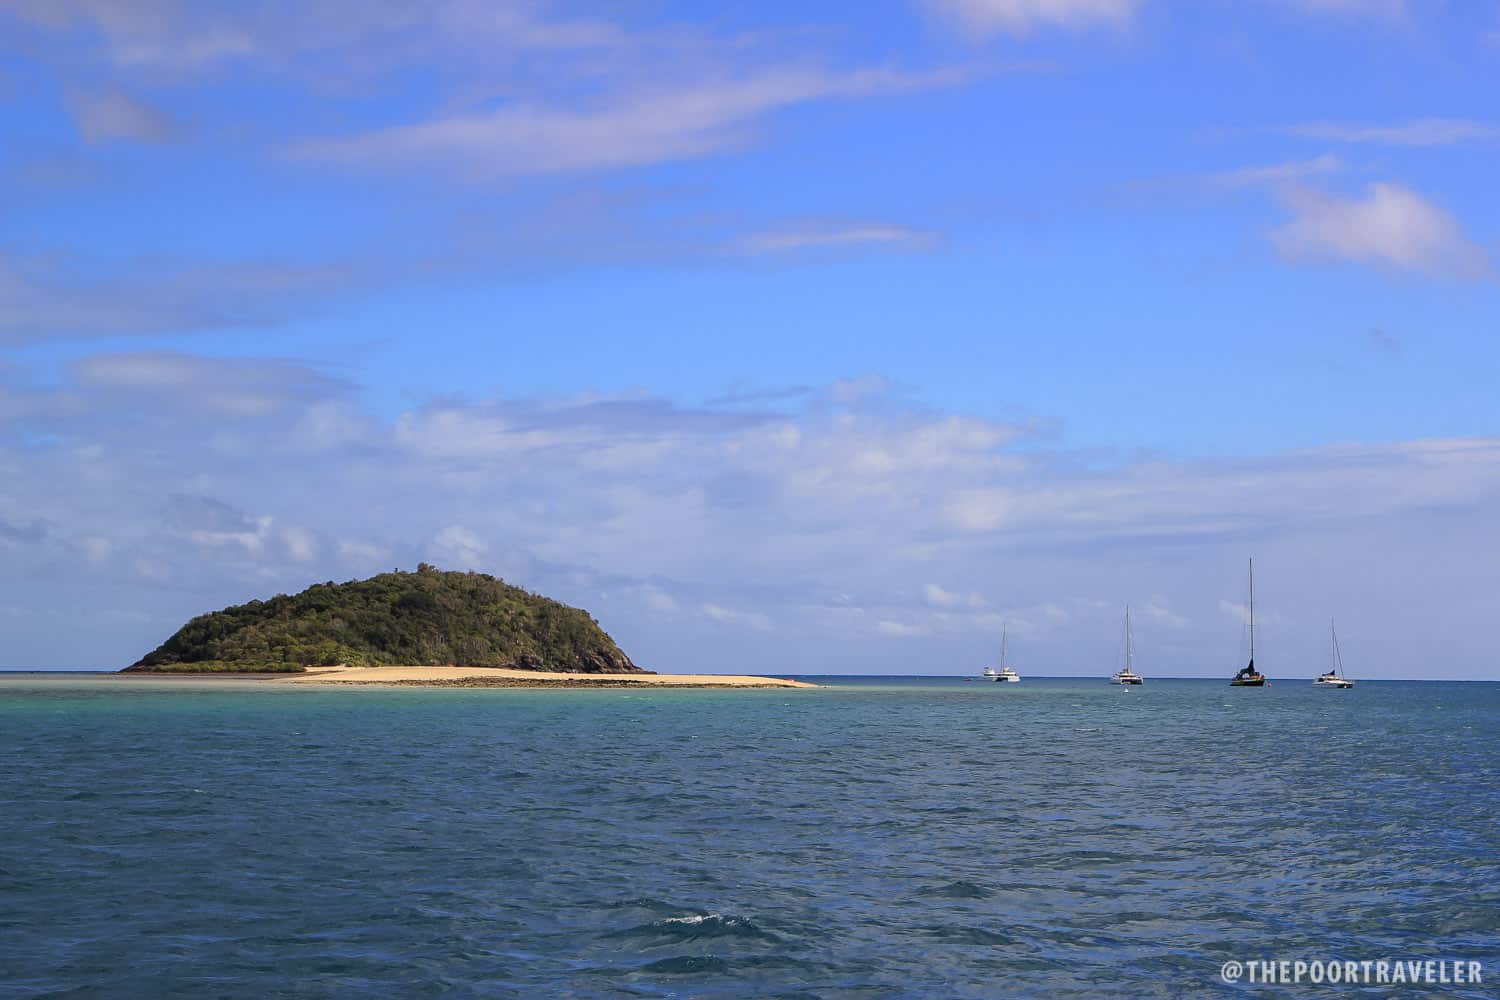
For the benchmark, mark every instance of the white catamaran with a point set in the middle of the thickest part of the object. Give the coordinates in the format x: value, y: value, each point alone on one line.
x: 1005, y: 675
x: 1128, y: 675
x: 1335, y: 677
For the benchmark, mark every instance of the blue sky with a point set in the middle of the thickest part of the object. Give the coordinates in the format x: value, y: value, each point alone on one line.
x: 830, y: 340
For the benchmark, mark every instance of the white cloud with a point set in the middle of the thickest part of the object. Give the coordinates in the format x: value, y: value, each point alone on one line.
x: 659, y: 600
x: 899, y: 630
x: 252, y: 540
x: 744, y: 619
x: 1158, y: 610
x: 1390, y: 226
x: 1239, y: 612
x: 301, y: 544
x: 940, y: 598
x: 95, y: 549
x: 1018, y: 17
x: 1236, y: 610
x: 334, y: 423
x: 364, y: 554
x: 459, y: 548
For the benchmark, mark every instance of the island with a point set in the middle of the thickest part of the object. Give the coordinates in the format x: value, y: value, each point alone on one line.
x: 426, y: 628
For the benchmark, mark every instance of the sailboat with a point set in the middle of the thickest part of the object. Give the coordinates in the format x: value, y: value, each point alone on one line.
x: 1005, y: 675
x: 1127, y: 676
x: 1335, y: 677
x: 1248, y: 675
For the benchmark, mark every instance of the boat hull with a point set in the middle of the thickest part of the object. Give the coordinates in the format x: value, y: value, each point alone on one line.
x: 1248, y: 682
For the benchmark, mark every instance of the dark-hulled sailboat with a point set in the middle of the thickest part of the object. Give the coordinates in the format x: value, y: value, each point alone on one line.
x: 1248, y: 675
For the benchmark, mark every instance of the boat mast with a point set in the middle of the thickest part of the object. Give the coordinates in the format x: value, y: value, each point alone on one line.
x: 1128, y: 657
x: 1338, y: 658
x: 1002, y: 648
x: 1252, y: 612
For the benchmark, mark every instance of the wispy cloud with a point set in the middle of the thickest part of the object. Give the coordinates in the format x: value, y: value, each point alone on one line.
x: 58, y: 297
x: 899, y: 630
x: 519, y: 88
x: 1239, y: 612
x: 626, y: 130
x: 1258, y: 175
x: 41, y: 299
x: 812, y: 235
x: 985, y: 18
x: 729, y: 616
x: 1421, y: 132
x: 113, y: 114
x: 238, y: 388
x: 1159, y: 610
x: 1274, y: 173
x: 1236, y: 610
x: 1018, y: 17
x: 176, y: 37
x: 1390, y: 226
x: 940, y: 598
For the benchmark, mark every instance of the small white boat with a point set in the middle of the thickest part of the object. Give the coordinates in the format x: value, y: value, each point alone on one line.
x: 1005, y: 675
x: 1127, y: 675
x: 1335, y: 677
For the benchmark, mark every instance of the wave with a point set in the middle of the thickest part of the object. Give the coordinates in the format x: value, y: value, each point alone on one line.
x: 696, y: 927
x: 958, y: 890
x: 687, y: 965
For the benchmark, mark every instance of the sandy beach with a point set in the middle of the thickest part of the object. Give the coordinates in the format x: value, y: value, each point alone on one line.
x: 502, y: 677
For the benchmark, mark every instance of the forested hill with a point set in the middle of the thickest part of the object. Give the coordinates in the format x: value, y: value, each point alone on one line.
x: 421, y: 618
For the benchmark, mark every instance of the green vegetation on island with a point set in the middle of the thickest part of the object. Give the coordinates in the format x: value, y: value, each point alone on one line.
x: 429, y: 617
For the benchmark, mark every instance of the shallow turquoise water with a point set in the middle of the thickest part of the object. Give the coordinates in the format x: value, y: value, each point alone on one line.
x: 911, y: 838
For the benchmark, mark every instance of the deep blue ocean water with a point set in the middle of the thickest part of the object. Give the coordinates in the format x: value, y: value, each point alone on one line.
x: 880, y: 838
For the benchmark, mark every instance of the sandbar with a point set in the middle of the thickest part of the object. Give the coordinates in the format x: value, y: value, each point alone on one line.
x: 505, y: 677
